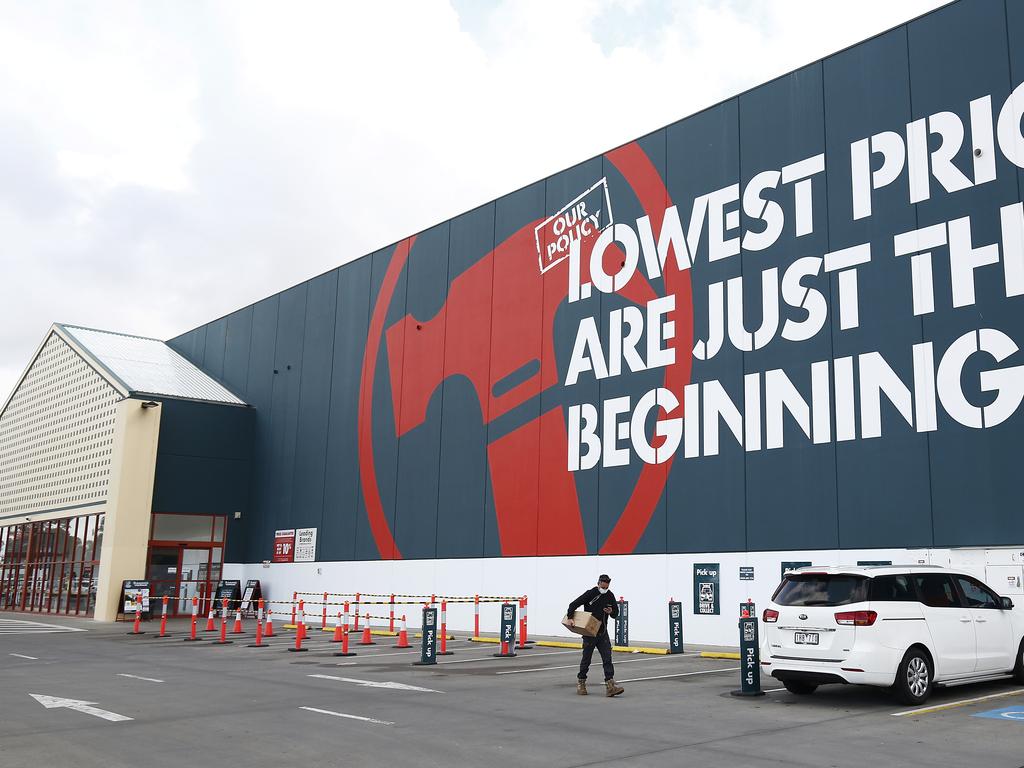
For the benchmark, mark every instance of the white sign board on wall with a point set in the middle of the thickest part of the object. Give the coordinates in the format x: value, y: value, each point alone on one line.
x: 305, y: 545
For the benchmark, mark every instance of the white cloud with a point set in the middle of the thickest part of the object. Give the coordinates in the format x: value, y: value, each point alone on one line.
x: 162, y: 165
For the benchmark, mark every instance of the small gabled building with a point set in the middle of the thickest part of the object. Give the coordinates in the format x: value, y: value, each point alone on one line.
x: 118, y: 458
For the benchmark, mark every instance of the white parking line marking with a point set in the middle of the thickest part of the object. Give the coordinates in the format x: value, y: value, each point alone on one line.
x: 375, y: 684
x: 350, y: 717
x: 681, y: 674
x: 573, y: 666
x: 136, y: 677
x: 25, y: 627
x: 23, y: 656
x: 952, y: 704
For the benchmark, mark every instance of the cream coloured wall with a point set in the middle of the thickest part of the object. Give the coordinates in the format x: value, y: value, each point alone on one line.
x: 129, y: 503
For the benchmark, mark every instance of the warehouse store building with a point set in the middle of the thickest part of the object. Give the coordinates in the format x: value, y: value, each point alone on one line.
x: 782, y: 331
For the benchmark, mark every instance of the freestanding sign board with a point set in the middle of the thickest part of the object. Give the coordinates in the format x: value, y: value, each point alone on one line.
x: 748, y: 609
x: 250, y: 595
x: 230, y: 589
x: 705, y: 589
x: 305, y: 545
x: 622, y: 625
x: 428, y: 648
x: 675, y: 627
x: 132, y: 588
x: 750, y: 661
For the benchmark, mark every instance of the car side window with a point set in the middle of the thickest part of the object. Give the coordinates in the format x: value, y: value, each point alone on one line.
x: 936, y: 590
x: 891, y: 589
x: 977, y: 594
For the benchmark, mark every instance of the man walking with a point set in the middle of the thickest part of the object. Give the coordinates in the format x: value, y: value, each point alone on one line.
x: 600, y: 602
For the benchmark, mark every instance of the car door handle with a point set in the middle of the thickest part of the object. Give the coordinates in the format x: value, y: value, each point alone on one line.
x: 965, y: 619
x: 981, y: 621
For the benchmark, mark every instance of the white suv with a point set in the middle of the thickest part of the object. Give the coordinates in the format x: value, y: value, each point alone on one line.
x: 906, y: 627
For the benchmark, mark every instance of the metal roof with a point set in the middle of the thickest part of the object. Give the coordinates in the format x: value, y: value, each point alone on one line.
x: 148, y: 366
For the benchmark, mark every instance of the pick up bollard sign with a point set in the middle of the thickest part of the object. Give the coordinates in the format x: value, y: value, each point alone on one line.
x: 675, y: 627
x: 750, y: 660
x: 622, y: 625
x: 428, y: 649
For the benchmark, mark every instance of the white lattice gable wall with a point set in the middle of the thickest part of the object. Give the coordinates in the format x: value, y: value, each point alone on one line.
x: 56, y: 435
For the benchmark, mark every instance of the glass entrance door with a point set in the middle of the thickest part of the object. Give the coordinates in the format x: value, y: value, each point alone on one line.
x: 162, y: 574
x: 195, y: 577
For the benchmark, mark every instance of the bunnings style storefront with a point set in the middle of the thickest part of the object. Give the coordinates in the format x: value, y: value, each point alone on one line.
x: 782, y: 330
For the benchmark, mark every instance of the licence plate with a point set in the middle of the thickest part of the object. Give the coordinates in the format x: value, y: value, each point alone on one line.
x: 805, y: 638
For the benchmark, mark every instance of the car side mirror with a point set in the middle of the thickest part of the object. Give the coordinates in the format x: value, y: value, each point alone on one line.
x: 1005, y: 603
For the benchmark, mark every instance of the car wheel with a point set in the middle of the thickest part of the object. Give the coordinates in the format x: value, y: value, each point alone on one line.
x: 914, y: 677
x: 1018, y: 670
x: 799, y: 688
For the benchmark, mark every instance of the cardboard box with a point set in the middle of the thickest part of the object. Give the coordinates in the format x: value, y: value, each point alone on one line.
x: 586, y: 624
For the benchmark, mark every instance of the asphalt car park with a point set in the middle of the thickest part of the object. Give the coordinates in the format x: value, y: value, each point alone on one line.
x: 102, y: 698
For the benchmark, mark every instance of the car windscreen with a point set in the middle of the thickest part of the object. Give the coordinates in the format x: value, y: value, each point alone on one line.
x: 826, y: 589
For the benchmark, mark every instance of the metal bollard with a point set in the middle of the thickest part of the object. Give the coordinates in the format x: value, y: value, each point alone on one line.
x: 750, y: 659
x: 675, y: 626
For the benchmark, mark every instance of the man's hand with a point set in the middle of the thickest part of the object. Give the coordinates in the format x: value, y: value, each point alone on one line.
x: 607, y: 609
x: 571, y: 623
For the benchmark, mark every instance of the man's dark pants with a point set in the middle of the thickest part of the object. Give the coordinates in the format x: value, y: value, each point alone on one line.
x: 604, y: 647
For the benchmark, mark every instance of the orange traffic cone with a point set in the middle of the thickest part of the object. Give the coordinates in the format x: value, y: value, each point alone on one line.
x: 337, y: 629
x: 237, y: 629
x: 403, y: 636
x: 367, y: 636
x: 209, y: 620
x: 269, y: 630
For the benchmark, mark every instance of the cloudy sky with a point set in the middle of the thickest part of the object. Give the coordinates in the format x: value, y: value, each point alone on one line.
x: 162, y: 164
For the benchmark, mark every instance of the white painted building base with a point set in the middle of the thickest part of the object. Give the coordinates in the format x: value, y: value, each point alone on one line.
x: 646, y: 581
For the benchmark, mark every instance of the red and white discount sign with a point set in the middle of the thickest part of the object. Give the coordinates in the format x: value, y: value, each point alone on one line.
x: 284, y: 546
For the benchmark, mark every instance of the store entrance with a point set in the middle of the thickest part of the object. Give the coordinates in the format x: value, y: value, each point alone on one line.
x: 181, y: 564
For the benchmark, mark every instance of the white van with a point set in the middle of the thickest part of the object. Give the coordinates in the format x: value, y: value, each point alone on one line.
x: 909, y: 628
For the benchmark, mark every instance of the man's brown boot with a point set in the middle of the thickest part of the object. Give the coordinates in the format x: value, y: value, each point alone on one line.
x: 581, y: 687
x: 612, y: 688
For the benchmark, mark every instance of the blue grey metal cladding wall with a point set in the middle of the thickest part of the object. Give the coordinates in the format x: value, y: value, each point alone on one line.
x: 418, y: 402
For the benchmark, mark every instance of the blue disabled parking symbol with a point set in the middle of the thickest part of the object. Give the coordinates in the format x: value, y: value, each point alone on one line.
x: 1011, y: 714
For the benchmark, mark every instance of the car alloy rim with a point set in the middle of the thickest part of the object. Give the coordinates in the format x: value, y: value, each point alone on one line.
x: 917, y: 676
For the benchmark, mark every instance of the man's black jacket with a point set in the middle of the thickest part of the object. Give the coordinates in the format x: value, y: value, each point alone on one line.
x: 592, y: 601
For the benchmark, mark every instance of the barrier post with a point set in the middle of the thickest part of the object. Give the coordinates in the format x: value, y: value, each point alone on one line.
x: 300, y: 629
x: 444, y: 630
x: 344, y: 635
x: 137, y: 624
x: 259, y: 627
x: 295, y: 598
x: 163, y: 617
x: 508, y: 631
x: 355, y: 626
x: 622, y: 624
x: 323, y: 614
x: 403, y: 635
x: 428, y: 648
x: 526, y: 603
x: 391, y: 616
x: 269, y: 630
x: 750, y: 660
x: 476, y: 615
x: 522, y: 623
x: 675, y: 626
x: 367, y: 634
x: 223, y: 625
x: 195, y: 618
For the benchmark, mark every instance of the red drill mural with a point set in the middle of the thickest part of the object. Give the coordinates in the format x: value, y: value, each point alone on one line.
x: 492, y: 302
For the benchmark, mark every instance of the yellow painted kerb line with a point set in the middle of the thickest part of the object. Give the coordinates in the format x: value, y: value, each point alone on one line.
x: 955, y: 704
x: 719, y: 655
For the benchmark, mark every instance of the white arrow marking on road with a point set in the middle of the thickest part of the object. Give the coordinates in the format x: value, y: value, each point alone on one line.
x: 373, y: 684
x: 55, y: 702
x: 350, y: 717
x: 136, y: 677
